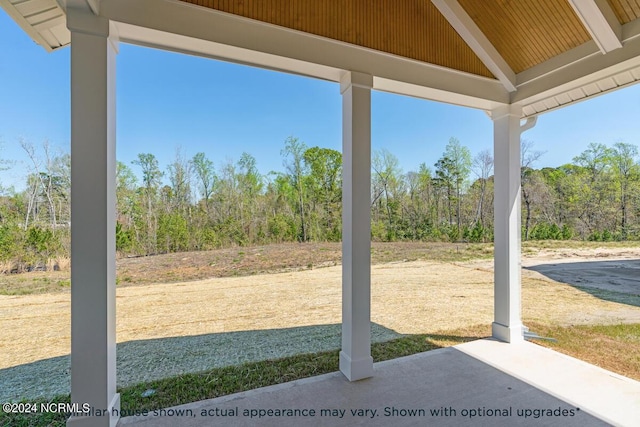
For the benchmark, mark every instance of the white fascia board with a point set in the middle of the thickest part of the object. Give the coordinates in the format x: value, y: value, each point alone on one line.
x: 571, y: 71
x: 578, y: 100
x: 201, y: 31
x: 182, y: 44
x: 423, y: 92
x: 601, y: 22
x: 557, y: 63
x: 579, y: 74
x: 630, y: 30
x: 477, y: 41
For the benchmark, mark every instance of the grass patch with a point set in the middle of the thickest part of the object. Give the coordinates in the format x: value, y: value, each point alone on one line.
x: 613, y: 347
x: 233, y: 379
x: 578, y: 244
x: 36, y: 282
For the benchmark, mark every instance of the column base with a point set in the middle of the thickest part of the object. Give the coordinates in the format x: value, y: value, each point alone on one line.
x: 92, y: 419
x: 510, y: 334
x: 356, y: 370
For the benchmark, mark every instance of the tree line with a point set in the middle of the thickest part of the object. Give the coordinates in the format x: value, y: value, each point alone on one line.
x: 192, y: 205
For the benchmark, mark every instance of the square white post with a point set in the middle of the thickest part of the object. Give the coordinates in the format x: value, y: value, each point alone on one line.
x: 355, y: 358
x: 93, y: 202
x: 507, y: 325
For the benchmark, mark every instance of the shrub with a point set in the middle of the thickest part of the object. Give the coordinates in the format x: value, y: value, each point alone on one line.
x: 124, y: 239
x: 9, y: 243
x: 40, y: 245
x: 173, y: 235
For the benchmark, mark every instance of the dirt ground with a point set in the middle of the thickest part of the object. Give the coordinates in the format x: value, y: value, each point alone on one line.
x: 408, y: 297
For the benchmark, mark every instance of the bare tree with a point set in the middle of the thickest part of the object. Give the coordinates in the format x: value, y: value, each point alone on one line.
x: 44, y: 176
x: 293, y: 153
x: 180, y: 173
x: 205, y: 173
x: 527, y: 158
x: 482, y: 167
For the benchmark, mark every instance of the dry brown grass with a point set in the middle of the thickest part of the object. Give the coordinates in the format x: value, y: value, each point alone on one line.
x: 6, y: 267
x: 416, y: 297
x: 240, y: 261
x: 287, y: 257
x: 615, y: 347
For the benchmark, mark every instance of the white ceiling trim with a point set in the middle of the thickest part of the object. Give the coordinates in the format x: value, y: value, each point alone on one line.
x: 477, y: 41
x: 601, y: 22
x: 582, y: 65
x: 607, y: 79
x: 570, y: 77
x: 582, y: 93
x: 187, y: 28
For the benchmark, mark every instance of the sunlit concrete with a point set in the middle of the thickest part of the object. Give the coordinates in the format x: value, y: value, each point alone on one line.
x: 525, y: 383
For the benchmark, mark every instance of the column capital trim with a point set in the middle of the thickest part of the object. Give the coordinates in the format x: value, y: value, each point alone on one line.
x: 512, y: 110
x: 357, y: 79
x: 84, y: 22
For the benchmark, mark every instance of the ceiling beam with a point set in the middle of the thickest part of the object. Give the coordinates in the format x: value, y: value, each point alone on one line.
x: 572, y: 66
x: 94, y: 5
x: 580, y: 73
x: 186, y: 28
x: 601, y: 22
x: 477, y: 41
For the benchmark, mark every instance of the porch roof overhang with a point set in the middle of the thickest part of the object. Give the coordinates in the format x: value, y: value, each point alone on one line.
x: 539, y: 54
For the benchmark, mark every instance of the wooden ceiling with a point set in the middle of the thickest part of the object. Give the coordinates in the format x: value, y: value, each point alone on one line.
x: 625, y: 10
x: 409, y: 28
x: 525, y: 33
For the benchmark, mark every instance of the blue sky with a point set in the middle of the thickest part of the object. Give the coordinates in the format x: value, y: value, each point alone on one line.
x: 167, y: 100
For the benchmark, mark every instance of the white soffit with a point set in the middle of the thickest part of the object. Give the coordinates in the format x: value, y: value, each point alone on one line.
x: 580, y: 74
x: 583, y: 92
x: 43, y: 20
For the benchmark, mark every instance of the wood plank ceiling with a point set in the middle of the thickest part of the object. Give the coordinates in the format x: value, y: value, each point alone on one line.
x: 527, y: 32
x: 625, y: 10
x: 409, y: 28
x: 524, y: 32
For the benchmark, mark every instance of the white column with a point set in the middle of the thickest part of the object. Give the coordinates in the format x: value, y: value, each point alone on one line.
x: 507, y: 325
x: 93, y: 167
x: 355, y: 358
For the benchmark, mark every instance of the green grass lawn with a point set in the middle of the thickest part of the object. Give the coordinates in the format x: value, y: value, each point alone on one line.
x: 613, y: 347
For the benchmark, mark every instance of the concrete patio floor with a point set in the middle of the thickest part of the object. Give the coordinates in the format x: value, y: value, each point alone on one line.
x: 484, y: 383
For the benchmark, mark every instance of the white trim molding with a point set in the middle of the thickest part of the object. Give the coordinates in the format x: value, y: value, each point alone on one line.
x: 601, y: 23
x: 356, y: 362
x: 477, y: 41
x: 93, y: 219
x: 507, y: 325
x: 191, y: 29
